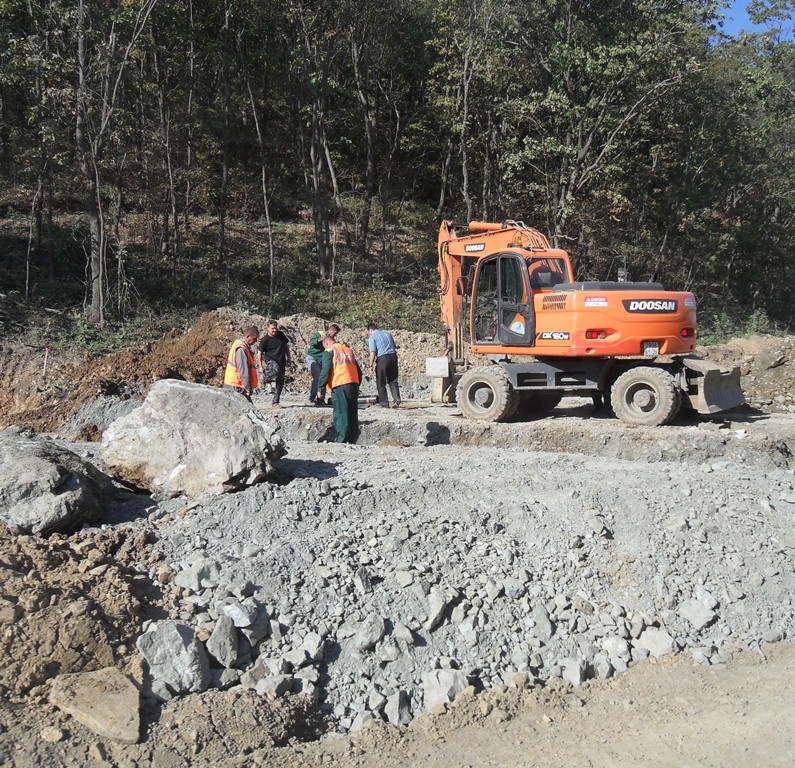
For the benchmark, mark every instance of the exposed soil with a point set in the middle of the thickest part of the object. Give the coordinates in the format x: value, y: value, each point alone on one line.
x: 85, y: 596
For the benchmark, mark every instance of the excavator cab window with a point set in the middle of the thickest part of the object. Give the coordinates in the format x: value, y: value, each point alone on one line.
x: 546, y: 273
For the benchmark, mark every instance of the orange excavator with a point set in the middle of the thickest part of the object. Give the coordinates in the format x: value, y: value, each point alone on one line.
x: 508, y: 295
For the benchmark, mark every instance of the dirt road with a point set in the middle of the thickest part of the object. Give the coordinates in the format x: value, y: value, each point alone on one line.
x: 671, y: 713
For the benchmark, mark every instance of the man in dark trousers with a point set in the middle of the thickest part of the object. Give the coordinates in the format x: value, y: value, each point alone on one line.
x: 384, y: 364
x: 342, y: 375
x: 273, y: 357
x: 314, y: 362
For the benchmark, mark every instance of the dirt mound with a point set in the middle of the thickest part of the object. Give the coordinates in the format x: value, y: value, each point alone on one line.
x: 72, y: 604
x: 43, y: 403
x: 767, y: 367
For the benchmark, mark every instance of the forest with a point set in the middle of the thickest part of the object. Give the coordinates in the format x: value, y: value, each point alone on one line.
x: 298, y: 155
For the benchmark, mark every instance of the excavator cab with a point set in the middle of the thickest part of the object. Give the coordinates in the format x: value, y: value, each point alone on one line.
x: 502, y: 307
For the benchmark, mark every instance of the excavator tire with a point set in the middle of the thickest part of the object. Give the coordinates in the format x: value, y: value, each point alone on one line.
x: 485, y: 394
x: 538, y: 402
x: 646, y: 396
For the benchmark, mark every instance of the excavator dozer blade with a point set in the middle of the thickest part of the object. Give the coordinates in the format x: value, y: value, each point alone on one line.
x: 712, y: 389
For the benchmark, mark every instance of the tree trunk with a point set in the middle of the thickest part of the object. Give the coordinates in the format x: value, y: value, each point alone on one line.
x: 86, y: 157
x: 369, y: 117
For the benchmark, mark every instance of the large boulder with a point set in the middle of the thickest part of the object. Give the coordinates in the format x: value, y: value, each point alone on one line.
x: 46, y: 488
x: 190, y: 439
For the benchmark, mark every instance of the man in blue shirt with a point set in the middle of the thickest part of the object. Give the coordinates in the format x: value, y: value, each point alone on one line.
x: 384, y: 364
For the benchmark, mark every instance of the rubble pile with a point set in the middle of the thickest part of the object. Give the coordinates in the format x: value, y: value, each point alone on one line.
x: 388, y: 586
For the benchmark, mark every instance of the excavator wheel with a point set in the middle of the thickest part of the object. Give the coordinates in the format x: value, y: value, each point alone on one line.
x: 485, y: 394
x: 538, y: 402
x: 646, y: 396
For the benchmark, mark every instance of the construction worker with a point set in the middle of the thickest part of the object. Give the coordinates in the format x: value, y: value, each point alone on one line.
x: 314, y: 362
x: 241, y: 373
x: 273, y: 357
x: 341, y: 373
x: 384, y: 365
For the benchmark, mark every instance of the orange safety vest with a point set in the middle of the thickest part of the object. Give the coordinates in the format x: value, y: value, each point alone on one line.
x: 232, y: 375
x: 344, y: 369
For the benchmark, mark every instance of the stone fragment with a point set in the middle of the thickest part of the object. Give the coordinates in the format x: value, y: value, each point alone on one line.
x: 222, y: 644
x: 656, y: 641
x: 369, y: 633
x: 362, y: 581
x: 617, y: 648
x: 543, y: 629
x: 437, y: 605
x: 104, y: 701
x: 397, y: 710
x: 514, y: 589
x: 314, y: 645
x: 52, y: 734
x: 361, y: 719
x: 296, y: 658
x: 388, y: 650
x: 175, y: 657
x: 441, y: 686
x: 242, y: 614
x: 573, y: 670
x: 696, y: 613
x: 274, y: 685
x: 9, y: 612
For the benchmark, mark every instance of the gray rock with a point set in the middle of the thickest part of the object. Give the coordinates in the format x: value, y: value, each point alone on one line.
x: 175, y: 657
x: 513, y: 588
x: 441, y: 686
x: 224, y: 678
x: 362, y: 719
x: 362, y: 581
x: 437, y: 605
x: 656, y: 641
x: 260, y: 626
x: 543, y: 629
x: 573, y: 670
x: 617, y: 648
x: 397, y: 710
x: 696, y: 613
x: 45, y: 488
x: 190, y: 439
x: 296, y: 658
x: 314, y: 645
x: 242, y: 614
x: 274, y: 685
x: 222, y: 643
x: 369, y: 633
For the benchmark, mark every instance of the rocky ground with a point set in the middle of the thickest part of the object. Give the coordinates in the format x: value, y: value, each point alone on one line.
x: 609, y: 595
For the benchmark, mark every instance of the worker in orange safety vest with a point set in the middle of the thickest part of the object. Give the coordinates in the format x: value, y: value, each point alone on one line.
x: 241, y: 373
x: 341, y: 373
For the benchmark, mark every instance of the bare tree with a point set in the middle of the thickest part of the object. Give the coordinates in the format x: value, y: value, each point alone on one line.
x: 102, y: 58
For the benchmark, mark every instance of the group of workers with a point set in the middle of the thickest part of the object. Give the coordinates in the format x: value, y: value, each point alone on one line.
x: 332, y: 365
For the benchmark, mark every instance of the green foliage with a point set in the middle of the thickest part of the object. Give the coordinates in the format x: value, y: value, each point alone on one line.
x: 722, y: 327
x: 619, y: 128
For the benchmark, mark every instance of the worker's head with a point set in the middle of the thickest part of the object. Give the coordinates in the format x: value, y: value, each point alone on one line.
x: 328, y: 341
x: 250, y: 334
x: 273, y: 326
x: 371, y: 328
x: 333, y: 330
